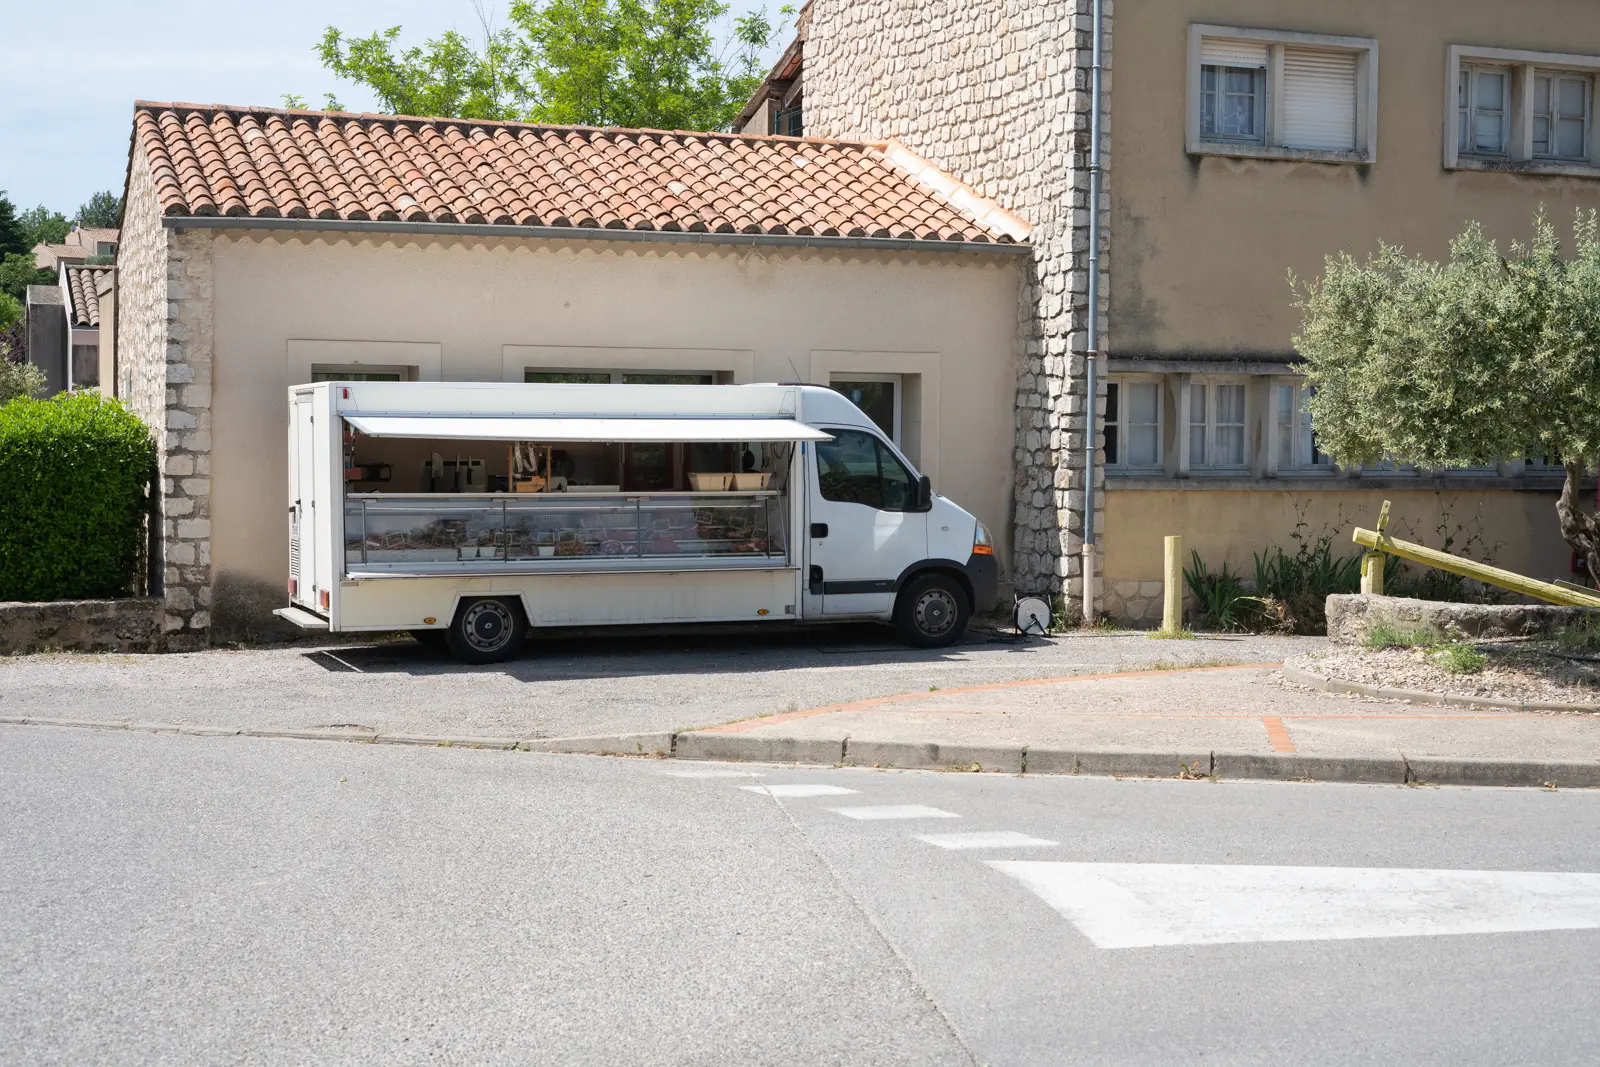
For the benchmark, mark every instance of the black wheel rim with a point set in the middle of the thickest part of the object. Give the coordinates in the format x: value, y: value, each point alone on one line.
x: 488, y: 626
x: 935, y: 613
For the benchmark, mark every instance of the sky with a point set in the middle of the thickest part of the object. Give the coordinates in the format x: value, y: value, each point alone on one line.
x: 69, y: 75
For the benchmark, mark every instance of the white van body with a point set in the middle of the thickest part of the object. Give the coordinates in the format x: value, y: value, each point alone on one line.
x: 808, y: 555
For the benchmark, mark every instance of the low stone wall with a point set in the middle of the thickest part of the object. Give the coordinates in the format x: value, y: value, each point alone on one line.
x: 129, y: 625
x: 1351, y: 615
x: 1137, y: 604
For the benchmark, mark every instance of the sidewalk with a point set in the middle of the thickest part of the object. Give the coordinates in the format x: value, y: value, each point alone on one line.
x: 1237, y: 721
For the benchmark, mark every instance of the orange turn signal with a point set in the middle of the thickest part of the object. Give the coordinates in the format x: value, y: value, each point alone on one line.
x: 983, y: 550
x: 429, y: 621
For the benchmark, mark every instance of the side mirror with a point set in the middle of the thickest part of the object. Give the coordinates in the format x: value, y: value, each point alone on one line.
x: 924, y: 493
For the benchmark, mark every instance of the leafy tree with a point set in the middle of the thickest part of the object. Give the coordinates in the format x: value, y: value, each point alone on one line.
x: 44, y: 226
x: 640, y: 63
x: 17, y: 376
x: 10, y: 311
x: 1465, y: 362
x: 13, y: 234
x: 103, y: 209
x: 17, y: 272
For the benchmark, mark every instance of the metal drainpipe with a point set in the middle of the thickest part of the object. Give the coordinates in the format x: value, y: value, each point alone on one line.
x: 1093, y: 346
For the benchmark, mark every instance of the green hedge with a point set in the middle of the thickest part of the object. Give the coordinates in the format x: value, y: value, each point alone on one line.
x: 73, y: 475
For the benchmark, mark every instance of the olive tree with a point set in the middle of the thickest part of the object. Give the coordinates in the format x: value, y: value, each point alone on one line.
x: 1475, y: 360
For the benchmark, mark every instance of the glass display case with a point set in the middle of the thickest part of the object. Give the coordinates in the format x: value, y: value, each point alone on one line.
x: 430, y: 533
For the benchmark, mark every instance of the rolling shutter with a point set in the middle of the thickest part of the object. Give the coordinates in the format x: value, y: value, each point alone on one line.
x: 1214, y: 51
x: 1319, y: 100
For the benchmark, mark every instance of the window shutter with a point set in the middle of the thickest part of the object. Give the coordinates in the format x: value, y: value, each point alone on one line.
x: 1319, y: 99
x: 1214, y: 51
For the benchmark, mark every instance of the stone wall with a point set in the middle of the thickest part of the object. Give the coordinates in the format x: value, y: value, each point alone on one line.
x: 131, y: 625
x: 1352, y: 615
x: 164, y: 344
x: 997, y: 92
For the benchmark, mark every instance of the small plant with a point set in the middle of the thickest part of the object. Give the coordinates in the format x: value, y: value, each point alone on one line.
x: 1386, y: 634
x: 1580, y: 639
x: 1222, y: 601
x: 1459, y: 657
x: 1180, y: 634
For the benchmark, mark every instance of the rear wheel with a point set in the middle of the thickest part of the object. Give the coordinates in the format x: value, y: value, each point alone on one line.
x: 488, y: 630
x: 932, y: 611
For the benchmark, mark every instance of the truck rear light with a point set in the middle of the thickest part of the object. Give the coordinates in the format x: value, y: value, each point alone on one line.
x: 324, y: 600
x: 294, y: 586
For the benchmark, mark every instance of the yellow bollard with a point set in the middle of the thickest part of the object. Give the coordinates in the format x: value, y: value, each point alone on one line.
x: 1172, y: 609
x: 1372, y: 573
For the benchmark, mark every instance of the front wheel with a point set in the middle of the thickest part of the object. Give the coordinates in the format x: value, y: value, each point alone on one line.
x: 487, y: 631
x: 932, y: 612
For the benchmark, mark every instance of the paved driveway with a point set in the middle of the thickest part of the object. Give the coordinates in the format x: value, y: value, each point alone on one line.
x: 566, y: 687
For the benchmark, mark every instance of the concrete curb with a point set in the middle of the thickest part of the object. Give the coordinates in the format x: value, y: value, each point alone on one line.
x: 1397, y: 769
x: 1312, y: 680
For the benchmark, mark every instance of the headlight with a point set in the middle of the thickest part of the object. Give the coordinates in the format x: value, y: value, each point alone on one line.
x: 981, y: 544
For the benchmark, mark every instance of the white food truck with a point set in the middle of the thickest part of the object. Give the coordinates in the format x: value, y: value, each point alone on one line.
x: 467, y: 512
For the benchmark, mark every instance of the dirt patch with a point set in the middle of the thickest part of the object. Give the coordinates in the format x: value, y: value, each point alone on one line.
x: 1535, y: 672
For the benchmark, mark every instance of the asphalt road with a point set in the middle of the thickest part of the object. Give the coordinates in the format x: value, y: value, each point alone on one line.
x: 574, y: 686
x: 170, y: 899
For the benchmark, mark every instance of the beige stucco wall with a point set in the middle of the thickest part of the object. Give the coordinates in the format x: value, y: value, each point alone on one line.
x: 1203, y: 245
x: 1515, y: 529
x: 482, y: 310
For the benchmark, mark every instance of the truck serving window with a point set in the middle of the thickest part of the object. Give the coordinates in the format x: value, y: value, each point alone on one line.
x: 856, y: 468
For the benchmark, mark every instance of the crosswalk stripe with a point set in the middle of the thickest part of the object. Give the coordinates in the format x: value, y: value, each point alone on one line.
x: 896, y: 811
x: 985, y: 839
x: 1137, y: 905
x: 799, y: 789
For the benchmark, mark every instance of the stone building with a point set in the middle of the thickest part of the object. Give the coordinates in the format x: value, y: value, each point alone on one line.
x: 264, y: 248
x: 1242, y: 143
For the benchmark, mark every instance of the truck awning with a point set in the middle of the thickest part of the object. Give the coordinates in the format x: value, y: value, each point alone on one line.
x: 593, y: 428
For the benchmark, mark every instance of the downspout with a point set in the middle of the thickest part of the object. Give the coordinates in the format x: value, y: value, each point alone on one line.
x: 1091, y: 397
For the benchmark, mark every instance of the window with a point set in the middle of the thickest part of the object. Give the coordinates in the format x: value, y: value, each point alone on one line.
x: 1133, y: 423
x: 607, y: 377
x: 857, y: 468
x: 1483, y: 101
x: 1528, y: 112
x: 1297, y: 443
x: 877, y: 395
x: 786, y: 121
x: 1233, y: 92
x: 1280, y: 94
x: 1561, y: 115
x: 1216, y: 425
x: 359, y: 373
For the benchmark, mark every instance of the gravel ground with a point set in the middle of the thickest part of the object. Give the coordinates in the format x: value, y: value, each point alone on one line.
x: 1514, y: 671
x: 567, y: 687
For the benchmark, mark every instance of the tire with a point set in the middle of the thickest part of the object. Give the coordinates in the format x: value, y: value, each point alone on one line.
x: 932, y: 611
x: 432, y: 640
x: 487, y: 630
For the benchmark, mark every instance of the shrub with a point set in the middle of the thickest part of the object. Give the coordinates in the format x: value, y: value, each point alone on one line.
x: 1222, y: 602
x: 73, y: 475
x: 1458, y: 657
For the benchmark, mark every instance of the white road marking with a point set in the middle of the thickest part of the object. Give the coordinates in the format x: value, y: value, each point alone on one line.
x: 798, y: 790
x: 1135, y: 905
x: 896, y: 811
x: 713, y: 772
x: 985, y: 839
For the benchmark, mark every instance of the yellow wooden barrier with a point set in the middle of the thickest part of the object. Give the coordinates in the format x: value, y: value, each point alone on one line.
x: 1381, y: 542
x: 1172, y: 588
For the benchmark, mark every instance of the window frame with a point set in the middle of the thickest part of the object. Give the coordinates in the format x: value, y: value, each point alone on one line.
x: 1220, y: 92
x: 356, y: 372
x: 1210, y: 423
x: 1472, y: 107
x: 1365, y: 49
x: 616, y: 377
x: 896, y: 380
x: 1302, y: 435
x: 1554, y: 116
x: 1524, y: 68
x: 1122, y: 466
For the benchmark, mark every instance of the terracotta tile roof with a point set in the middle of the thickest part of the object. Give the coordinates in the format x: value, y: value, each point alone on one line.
x: 270, y: 163
x: 83, y: 299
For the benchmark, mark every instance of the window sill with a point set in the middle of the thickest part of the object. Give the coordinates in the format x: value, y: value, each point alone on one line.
x: 1553, y: 168
x: 1116, y: 480
x: 1290, y: 155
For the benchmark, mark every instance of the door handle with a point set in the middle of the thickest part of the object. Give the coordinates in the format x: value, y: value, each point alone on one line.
x: 819, y: 529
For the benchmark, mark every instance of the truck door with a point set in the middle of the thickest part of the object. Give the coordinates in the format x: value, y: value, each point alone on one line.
x: 302, y: 502
x: 864, y: 526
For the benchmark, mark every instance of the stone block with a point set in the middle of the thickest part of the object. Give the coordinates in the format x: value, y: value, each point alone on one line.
x: 194, y: 529
x: 179, y: 552
x: 1352, y: 615
x: 178, y: 465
